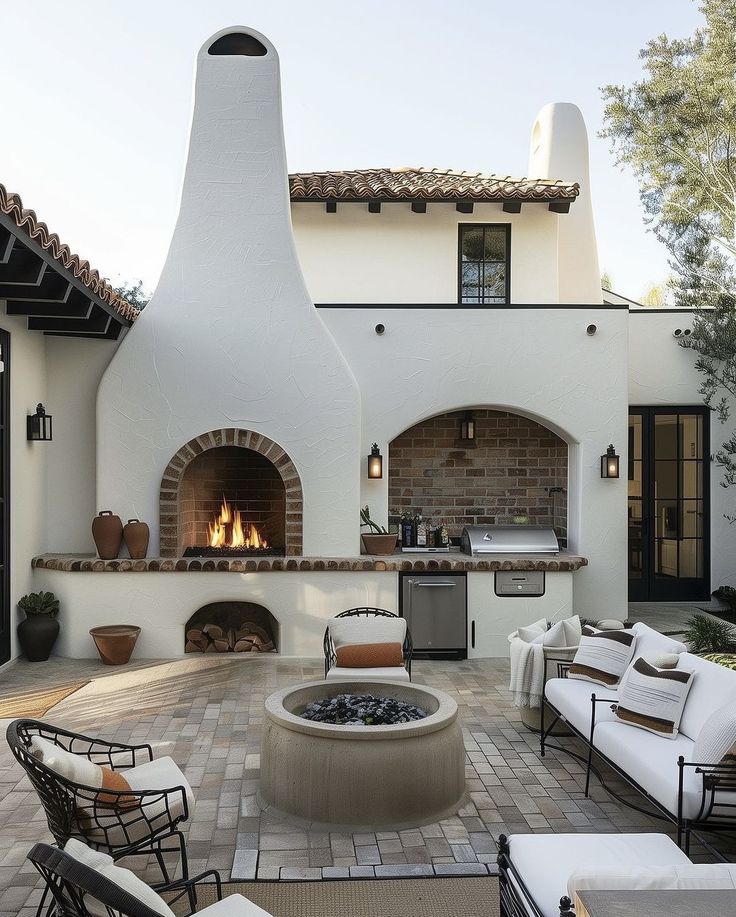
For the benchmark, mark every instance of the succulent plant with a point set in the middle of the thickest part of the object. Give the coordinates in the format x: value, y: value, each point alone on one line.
x: 39, y: 603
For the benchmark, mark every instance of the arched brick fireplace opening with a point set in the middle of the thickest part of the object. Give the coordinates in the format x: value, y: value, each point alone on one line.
x: 254, y: 475
x: 513, y: 469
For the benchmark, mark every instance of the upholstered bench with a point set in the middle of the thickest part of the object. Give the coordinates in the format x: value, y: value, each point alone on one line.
x: 540, y: 873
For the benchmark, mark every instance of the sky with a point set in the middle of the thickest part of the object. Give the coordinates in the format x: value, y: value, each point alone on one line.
x: 97, y: 99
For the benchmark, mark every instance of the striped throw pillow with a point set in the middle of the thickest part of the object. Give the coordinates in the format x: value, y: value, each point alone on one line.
x: 652, y: 698
x: 603, y: 656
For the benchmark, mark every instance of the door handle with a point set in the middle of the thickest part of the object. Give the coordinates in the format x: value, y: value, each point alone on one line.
x: 433, y: 585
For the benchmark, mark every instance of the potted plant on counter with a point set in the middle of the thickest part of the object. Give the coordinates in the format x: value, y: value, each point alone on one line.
x: 38, y: 632
x: 377, y: 540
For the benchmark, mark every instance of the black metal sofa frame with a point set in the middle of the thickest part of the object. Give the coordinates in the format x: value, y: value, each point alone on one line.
x: 515, y: 898
x: 715, y: 778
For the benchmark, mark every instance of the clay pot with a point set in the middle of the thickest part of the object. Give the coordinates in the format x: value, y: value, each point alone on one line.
x: 107, y: 531
x: 115, y: 642
x: 136, y: 536
x: 379, y: 544
x: 37, y: 635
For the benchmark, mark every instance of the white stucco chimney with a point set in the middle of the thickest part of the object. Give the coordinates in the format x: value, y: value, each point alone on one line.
x: 559, y: 149
x: 231, y: 337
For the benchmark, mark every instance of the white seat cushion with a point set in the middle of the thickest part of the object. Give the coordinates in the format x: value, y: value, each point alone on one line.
x: 545, y: 861
x: 388, y: 673
x: 713, y: 686
x: 651, y: 761
x: 234, y: 906
x: 650, y: 642
x: 572, y: 698
x: 370, y: 629
x: 159, y: 774
x: 692, y: 875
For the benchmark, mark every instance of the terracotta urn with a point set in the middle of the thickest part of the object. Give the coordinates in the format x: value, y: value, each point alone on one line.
x: 379, y: 544
x: 115, y: 642
x: 136, y: 536
x: 107, y: 531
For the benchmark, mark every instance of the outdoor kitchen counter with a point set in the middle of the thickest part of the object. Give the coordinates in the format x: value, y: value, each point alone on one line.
x: 404, y: 563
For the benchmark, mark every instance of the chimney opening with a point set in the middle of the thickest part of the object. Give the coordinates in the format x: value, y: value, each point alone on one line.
x: 237, y: 43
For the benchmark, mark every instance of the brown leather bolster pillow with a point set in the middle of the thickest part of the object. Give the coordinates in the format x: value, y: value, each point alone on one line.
x: 369, y: 655
x: 111, y: 780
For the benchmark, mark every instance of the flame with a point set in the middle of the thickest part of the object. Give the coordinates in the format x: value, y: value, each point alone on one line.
x: 228, y: 531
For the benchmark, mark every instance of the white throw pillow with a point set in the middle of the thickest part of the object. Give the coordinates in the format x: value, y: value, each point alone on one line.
x: 652, y: 698
x: 372, y: 629
x: 649, y: 641
x: 562, y: 634
x: 75, y: 768
x: 123, y: 878
x: 700, y: 875
x: 716, y: 741
x: 603, y: 656
x: 532, y: 632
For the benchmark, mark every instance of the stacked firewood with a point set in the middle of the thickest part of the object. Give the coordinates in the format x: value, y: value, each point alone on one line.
x: 212, y: 638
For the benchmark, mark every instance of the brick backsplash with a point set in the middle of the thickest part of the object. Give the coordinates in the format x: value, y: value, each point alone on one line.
x: 505, y: 474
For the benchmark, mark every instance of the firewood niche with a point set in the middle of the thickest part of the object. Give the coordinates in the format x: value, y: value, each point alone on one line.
x: 231, y: 627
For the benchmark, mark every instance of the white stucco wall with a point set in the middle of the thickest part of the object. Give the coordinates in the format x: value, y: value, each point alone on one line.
x: 28, y: 461
x: 230, y: 337
x: 397, y: 256
x: 536, y: 362
x: 74, y: 369
x: 661, y: 372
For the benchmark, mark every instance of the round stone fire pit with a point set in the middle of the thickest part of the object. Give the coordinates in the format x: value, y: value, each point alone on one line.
x: 378, y: 776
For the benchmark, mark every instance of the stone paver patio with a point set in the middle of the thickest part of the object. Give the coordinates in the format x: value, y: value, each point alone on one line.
x: 207, y: 713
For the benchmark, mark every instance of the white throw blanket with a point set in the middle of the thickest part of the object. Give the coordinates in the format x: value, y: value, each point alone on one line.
x: 527, y: 673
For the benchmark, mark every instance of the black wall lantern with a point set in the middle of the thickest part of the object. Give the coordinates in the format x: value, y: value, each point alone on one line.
x: 375, y: 462
x: 467, y: 428
x: 39, y: 425
x: 610, y: 463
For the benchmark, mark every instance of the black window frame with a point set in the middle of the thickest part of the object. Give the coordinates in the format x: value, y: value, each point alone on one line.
x: 506, y: 227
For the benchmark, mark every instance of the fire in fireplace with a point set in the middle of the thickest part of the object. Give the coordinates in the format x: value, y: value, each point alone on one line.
x: 229, y: 531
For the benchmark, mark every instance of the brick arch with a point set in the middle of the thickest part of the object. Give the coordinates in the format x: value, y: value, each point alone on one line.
x: 245, y: 439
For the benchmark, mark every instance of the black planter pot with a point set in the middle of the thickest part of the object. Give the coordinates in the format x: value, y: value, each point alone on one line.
x: 37, y: 635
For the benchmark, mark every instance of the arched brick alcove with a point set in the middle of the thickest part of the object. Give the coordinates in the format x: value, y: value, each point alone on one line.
x: 170, y: 496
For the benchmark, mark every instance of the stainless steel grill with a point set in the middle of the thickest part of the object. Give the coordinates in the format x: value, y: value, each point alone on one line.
x: 509, y: 539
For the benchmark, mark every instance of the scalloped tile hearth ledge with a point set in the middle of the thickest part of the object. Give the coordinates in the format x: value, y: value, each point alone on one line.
x: 83, y: 563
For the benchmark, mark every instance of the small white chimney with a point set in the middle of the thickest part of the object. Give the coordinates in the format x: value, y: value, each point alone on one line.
x: 559, y: 149
x: 231, y: 337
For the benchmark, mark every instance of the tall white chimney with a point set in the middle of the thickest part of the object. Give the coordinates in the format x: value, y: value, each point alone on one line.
x: 231, y: 337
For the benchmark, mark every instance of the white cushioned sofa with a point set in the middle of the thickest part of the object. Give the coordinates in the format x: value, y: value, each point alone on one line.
x: 540, y: 874
x: 689, y: 792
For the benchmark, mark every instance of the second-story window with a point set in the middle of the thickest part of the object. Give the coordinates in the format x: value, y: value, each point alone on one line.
x: 484, y: 275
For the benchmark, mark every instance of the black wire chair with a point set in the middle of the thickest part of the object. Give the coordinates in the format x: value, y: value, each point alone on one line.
x: 71, y: 882
x: 120, y: 823
x: 365, y: 612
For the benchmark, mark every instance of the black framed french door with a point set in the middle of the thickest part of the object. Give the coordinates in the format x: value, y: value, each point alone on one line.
x: 5, y: 615
x: 669, y: 503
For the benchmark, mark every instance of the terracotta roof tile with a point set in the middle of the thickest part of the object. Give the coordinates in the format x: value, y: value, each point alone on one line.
x: 409, y: 184
x: 27, y: 221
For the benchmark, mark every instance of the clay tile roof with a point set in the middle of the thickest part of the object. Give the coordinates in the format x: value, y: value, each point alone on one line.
x: 409, y: 184
x: 28, y: 223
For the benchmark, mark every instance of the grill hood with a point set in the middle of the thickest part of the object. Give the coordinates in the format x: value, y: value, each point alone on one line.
x: 509, y: 539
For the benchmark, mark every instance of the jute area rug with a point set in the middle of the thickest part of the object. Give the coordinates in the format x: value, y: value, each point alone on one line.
x: 36, y: 703
x: 475, y: 896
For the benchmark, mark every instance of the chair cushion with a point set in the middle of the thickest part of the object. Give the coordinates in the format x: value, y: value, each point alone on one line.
x: 532, y: 631
x: 371, y: 629
x: 692, y: 875
x: 369, y: 655
x: 562, y: 634
x: 650, y: 641
x: 74, y: 768
x: 652, y: 698
x: 714, y: 686
x: 572, y: 698
x: 603, y: 656
x: 120, y: 828
x: 234, y: 906
x: 651, y: 761
x: 125, y: 879
x: 716, y: 741
x: 544, y: 861
x: 389, y: 673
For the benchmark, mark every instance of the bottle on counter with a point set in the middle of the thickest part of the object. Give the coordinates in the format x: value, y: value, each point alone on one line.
x: 421, y: 533
x: 444, y: 535
x: 407, y: 531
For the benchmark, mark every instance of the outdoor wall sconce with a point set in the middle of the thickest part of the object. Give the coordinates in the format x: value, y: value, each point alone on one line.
x: 467, y: 428
x: 610, y: 463
x: 39, y: 425
x: 375, y: 462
